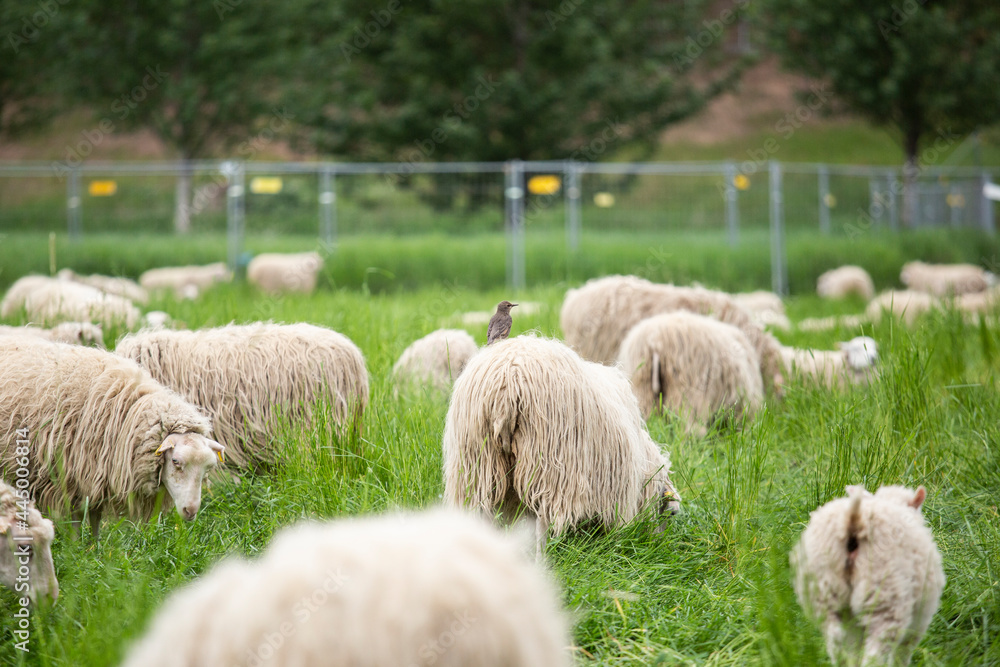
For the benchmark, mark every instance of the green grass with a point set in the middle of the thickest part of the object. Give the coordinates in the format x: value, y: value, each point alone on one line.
x: 714, y: 589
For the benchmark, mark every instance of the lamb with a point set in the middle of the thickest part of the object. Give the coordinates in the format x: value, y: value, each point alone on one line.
x: 246, y: 375
x: 50, y: 301
x: 854, y: 361
x: 435, y: 360
x: 905, y: 304
x: 122, y: 287
x: 596, y: 318
x: 77, y: 333
x: 692, y: 365
x: 276, y: 273
x: 867, y: 569
x: 943, y: 280
x: 533, y: 426
x: 25, y: 542
x: 186, y: 282
x: 104, y: 434
x: 844, y: 281
x: 435, y: 588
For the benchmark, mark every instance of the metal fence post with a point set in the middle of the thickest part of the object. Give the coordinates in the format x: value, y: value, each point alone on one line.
x: 985, y: 206
x: 514, y: 213
x: 893, y: 210
x: 732, y: 206
x: 823, y: 176
x: 235, y: 216
x: 328, y: 206
x: 74, y: 212
x: 571, y: 173
x: 779, y: 268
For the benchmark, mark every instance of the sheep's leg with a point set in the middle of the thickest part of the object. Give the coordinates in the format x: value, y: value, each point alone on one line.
x: 95, y: 522
x: 843, y: 640
x: 541, y: 538
x: 882, y: 640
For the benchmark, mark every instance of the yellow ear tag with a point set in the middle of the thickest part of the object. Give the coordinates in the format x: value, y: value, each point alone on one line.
x: 160, y: 450
x: 222, y: 458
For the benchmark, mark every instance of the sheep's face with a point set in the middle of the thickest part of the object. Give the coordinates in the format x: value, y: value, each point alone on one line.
x: 26, y: 554
x: 187, y: 458
x: 861, y: 352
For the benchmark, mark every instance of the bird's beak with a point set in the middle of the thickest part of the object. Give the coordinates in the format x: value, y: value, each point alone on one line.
x: 512, y: 305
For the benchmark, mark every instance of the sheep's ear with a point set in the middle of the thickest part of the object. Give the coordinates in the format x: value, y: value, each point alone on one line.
x: 853, y: 489
x: 918, y: 497
x: 219, y: 449
x: 168, y: 443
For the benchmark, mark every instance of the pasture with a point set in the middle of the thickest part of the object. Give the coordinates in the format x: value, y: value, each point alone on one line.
x: 714, y: 589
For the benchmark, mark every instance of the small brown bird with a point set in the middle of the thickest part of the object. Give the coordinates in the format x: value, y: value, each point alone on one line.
x: 499, y: 323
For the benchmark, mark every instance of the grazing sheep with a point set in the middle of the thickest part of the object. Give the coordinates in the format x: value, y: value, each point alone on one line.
x: 435, y: 360
x: 843, y: 281
x: 50, y: 301
x: 76, y: 333
x: 945, y: 279
x: 276, y: 273
x: 854, y: 361
x: 692, y: 365
x: 596, y: 318
x: 123, y: 287
x: 186, y: 282
x: 246, y: 375
x: 905, y: 304
x: 766, y: 308
x: 867, y: 569
x: 532, y: 425
x: 25, y: 542
x: 104, y: 434
x: 832, y: 322
x: 979, y: 302
x: 438, y: 588
x: 13, y: 300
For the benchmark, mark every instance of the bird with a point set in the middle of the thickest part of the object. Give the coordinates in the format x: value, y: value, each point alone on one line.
x: 499, y: 323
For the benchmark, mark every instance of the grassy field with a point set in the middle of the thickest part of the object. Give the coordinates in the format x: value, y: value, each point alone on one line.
x: 714, y: 589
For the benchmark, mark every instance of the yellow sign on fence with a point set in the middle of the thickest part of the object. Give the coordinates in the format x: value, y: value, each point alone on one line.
x: 102, y: 188
x: 544, y: 185
x: 265, y: 185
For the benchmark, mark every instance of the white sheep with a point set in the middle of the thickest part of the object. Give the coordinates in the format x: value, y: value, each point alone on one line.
x: 844, y: 281
x: 907, y: 305
x: 766, y: 308
x: 943, y: 280
x: 104, y: 434
x: 832, y: 322
x: 435, y: 360
x: 186, y: 282
x: 247, y: 375
x: 692, y: 365
x: 868, y: 571
x: 979, y: 302
x: 25, y: 541
x: 50, y: 301
x: 533, y: 426
x: 853, y: 362
x: 293, y: 272
x: 77, y: 333
x: 596, y: 318
x: 118, y: 286
x: 14, y: 298
x: 438, y: 588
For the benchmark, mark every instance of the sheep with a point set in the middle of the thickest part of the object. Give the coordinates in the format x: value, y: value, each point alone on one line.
x: 122, y: 287
x: 157, y: 319
x: 979, y: 302
x: 854, y: 361
x: 596, y: 318
x: 50, y: 301
x: 832, y: 322
x: 905, y: 304
x: 104, y: 434
x: 532, y: 425
x: 867, y: 569
x: 945, y: 279
x: 843, y: 281
x: 276, y: 273
x: 692, y: 365
x: 186, y: 282
x: 78, y: 333
x: 435, y: 360
x: 14, y: 298
x: 25, y: 542
x: 438, y: 588
x: 765, y: 308
x: 246, y: 375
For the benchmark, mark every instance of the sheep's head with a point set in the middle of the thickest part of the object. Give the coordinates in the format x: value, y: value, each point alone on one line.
x: 26, y: 549
x: 187, y: 457
x: 861, y: 353
x: 668, y: 500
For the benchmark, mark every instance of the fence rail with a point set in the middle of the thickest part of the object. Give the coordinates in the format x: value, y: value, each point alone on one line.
x: 515, y: 197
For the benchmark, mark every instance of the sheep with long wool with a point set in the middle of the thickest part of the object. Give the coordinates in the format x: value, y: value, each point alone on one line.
x: 765, y: 308
x: 76, y: 333
x: 692, y: 365
x: 186, y: 282
x: 104, y: 434
x: 276, y: 273
x: 16, y: 294
x: 51, y: 301
x: 533, y: 426
x: 596, y: 317
x: 867, y: 570
x: 246, y: 376
x: 435, y: 360
x: 437, y: 588
x: 119, y: 286
x: 943, y: 280
x: 853, y: 362
x: 844, y: 281
x: 25, y: 541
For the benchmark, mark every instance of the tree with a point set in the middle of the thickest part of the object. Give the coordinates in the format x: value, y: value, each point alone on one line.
x: 201, y: 75
x: 486, y: 80
x: 28, y: 79
x: 918, y: 66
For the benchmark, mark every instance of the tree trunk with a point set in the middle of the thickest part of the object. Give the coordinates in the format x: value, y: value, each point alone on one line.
x: 911, y: 169
x: 182, y: 204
